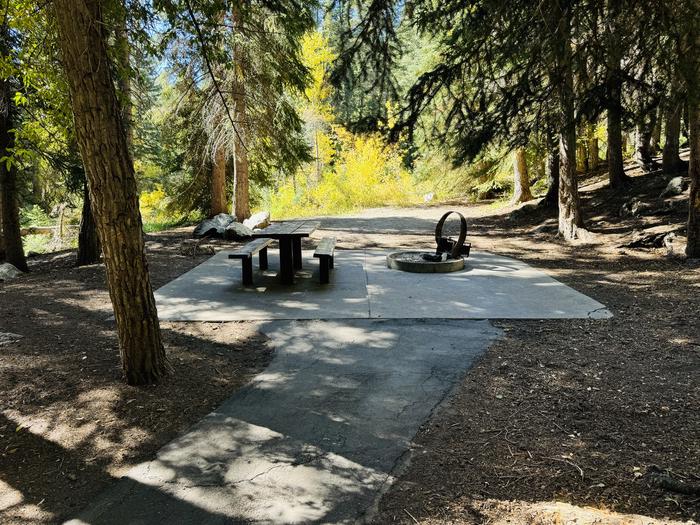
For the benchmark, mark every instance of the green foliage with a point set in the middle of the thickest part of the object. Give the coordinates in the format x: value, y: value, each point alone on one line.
x: 157, y: 214
x: 365, y: 172
x: 37, y: 243
x: 35, y: 216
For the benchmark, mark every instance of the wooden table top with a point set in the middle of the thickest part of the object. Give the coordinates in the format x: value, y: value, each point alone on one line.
x: 287, y: 229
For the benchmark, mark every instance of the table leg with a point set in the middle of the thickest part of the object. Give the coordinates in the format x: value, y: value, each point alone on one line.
x: 296, y: 245
x: 286, y: 261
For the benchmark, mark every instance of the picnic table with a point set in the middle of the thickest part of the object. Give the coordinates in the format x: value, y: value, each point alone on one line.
x: 289, y: 235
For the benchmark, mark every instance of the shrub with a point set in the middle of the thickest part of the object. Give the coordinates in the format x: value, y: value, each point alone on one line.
x: 364, y: 172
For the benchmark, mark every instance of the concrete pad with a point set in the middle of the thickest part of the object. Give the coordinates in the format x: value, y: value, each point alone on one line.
x: 213, y: 291
x: 490, y: 287
x: 315, y: 438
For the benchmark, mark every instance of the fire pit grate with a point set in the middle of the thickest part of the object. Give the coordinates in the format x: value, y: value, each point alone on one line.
x: 448, y: 257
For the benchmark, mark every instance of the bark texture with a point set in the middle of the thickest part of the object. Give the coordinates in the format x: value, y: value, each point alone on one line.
x: 616, y: 165
x: 693, y: 246
x: 218, y: 183
x: 241, y: 192
x: 570, y: 217
x: 521, y: 178
x: 551, y: 169
x: 643, y: 153
x: 2, y: 235
x: 124, y: 77
x: 102, y: 141
x: 689, y: 54
x: 655, y: 141
x: 11, y: 235
x: 671, y: 161
x: 89, y: 249
x: 616, y: 142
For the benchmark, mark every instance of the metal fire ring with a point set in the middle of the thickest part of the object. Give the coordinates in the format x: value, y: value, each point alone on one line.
x: 456, y: 251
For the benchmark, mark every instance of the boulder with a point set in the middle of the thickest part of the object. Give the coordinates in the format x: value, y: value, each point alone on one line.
x: 637, y: 208
x: 214, y: 227
x: 8, y: 271
x: 237, y: 232
x: 258, y: 220
x: 652, y: 239
x: 675, y: 186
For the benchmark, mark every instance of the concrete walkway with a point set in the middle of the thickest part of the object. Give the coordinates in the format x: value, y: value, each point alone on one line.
x: 490, y: 287
x: 315, y: 438
x: 359, y: 365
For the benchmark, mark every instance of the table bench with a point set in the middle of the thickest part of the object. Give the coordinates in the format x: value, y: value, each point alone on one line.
x: 245, y: 253
x: 289, y: 235
x: 324, y: 254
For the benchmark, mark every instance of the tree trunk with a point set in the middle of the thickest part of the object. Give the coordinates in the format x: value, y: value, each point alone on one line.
x: 89, y: 249
x: 616, y: 140
x: 693, y: 248
x: 551, y: 199
x: 521, y: 179
x: 671, y: 160
x: 655, y: 140
x: 593, y: 153
x: 616, y: 165
x: 12, y: 237
x: 642, y: 143
x: 2, y: 235
x: 218, y: 183
x: 14, y: 251
x: 570, y: 217
x: 689, y: 52
x: 103, y: 145
x: 581, y: 157
x: 124, y: 77
x: 241, y: 197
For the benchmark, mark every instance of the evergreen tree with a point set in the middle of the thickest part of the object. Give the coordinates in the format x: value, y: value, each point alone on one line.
x: 245, y: 63
x: 103, y: 144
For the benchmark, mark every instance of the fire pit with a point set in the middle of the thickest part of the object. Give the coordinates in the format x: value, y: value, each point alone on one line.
x: 448, y: 257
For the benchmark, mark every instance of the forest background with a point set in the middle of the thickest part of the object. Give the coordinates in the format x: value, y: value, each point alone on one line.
x: 321, y: 138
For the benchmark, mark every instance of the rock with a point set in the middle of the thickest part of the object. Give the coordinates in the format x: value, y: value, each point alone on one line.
x: 643, y: 239
x: 237, y: 232
x: 6, y: 338
x: 637, y: 208
x: 674, y: 245
x: 8, y: 271
x: 675, y: 186
x: 258, y: 220
x: 216, y: 226
x: 630, y: 208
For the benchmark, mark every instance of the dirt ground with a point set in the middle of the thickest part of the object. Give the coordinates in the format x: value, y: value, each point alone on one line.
x: 69, y: 426
x: 602, y: 414
x: 558, y: 415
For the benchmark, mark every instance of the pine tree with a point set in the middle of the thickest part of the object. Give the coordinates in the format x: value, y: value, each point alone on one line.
x: 103, y: 144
